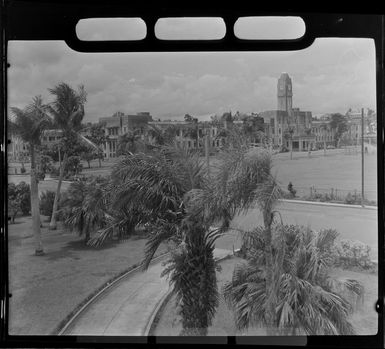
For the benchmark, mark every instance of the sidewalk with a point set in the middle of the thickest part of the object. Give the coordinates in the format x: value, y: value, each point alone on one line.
x: 126, y: 309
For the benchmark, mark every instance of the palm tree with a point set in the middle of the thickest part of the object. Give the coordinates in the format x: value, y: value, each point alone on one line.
x: 175, y: 197
x: 192, y: 270
x: 306, y: 299
x: 85, y: 207
x: 29, y: 124
x: 130, y: 142
x: 67, y: 111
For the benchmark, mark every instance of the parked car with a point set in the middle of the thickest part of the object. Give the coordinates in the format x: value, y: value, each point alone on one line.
x: 330, y: 147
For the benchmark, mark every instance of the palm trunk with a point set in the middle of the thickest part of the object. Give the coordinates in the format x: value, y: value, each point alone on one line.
x: 270, y: 296
x: 53, y: 225
x: 35, y: 205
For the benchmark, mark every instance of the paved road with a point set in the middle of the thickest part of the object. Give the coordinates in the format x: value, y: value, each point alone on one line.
x: 127, y: 308
x: 351, y: 222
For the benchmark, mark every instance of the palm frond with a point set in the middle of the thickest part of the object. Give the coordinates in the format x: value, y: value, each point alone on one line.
x: 305, y: 298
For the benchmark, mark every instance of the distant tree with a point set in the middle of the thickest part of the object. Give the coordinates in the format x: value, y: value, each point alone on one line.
x: 98, y: 137
x: 130, y: 143
x: 191, y: 133
x: 88, y: 156
x: 188, y: 118
x: 339, y: 123
x: 50, y: 151
x: 227, y: 117
x: 156, y: 134
x: 170, y: 133
x: 73, y: 165
x: 45, y: 166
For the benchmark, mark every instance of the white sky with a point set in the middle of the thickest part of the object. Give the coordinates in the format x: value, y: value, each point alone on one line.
x: 330, y: 76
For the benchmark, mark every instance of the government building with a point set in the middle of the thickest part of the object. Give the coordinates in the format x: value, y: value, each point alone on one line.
x: 288, y: 123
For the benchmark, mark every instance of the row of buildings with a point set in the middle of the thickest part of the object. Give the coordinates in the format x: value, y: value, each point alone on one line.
x: 282, y: 128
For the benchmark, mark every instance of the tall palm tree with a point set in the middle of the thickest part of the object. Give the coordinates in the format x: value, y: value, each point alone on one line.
x: 29, y: 124
x: 67, y: 111
x: 306, y: 299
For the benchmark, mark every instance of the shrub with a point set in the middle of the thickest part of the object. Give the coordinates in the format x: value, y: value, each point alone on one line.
x: 355, y: 199
x: 55, y: 171
x: 23, y: 170
x: 291, y: 190
x: 73, y: 165
x: 23, y: 192
x: 13, y: 202
x: 349, y: 253
x: 46, y: 203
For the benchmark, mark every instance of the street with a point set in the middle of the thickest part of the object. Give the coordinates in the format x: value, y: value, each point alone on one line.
x: 350, y: 222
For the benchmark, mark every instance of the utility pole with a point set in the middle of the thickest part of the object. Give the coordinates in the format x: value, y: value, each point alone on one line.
x: 362, y: 157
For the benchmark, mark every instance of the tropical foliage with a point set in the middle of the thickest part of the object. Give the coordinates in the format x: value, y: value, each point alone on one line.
x: 350, y: 253
x: 67, y: 111
x: 13, y: 202
x: 98, y: 137
x: 46, y: 203
x: 192, y: 268
x: 29, y: 124
x: 130, y: 142
x: 73, y: 166
x: 84, y: 207
x: 339, y: 123
x: 45, y: 166
x: 171, y: 192
x: 305, y: 298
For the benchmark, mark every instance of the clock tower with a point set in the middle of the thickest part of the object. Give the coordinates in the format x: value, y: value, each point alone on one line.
x: 285, y: 93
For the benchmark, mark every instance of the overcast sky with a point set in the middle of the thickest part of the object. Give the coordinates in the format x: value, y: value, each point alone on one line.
x: 330, y: 76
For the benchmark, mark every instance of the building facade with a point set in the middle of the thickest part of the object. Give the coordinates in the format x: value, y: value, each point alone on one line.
x: 120, y: 124
x: 288, y: 124
x: 17, y: 149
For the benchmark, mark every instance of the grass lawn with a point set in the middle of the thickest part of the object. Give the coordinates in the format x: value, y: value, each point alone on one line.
x: 46, y: 289
x: 336, y: 170
x: 364, y: 320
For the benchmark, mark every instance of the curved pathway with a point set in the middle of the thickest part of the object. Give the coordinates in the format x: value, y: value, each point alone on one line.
x: 127, y: 308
